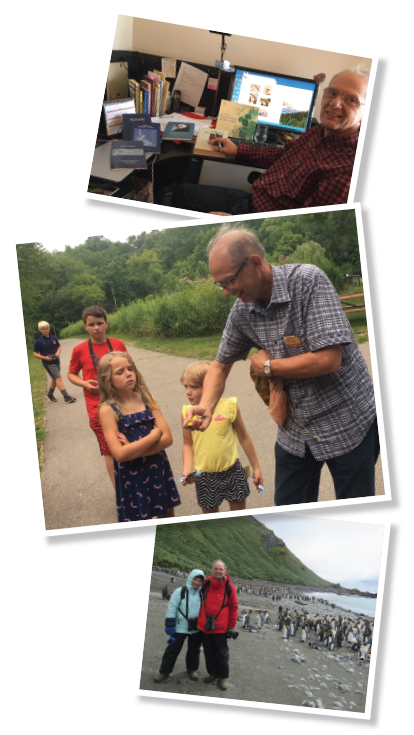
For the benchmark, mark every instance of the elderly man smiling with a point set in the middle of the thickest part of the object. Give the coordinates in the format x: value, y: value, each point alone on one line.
x: 293, y: 312
x: 313, y: 171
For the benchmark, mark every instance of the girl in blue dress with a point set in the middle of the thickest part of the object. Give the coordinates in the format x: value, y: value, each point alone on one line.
x: 137, y: 434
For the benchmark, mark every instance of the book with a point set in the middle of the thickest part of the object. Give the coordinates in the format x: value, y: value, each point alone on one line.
x: 165, y: 90
x: 239, y: 120
x: 134, y: 89
x: 113, y: 112
x: 179, y: 131
x: 148, y: 134
x: 127, y: 154
x: 128, y: 118
x: 202, y: 146
x: 151, y: 84
x: 146, y: 90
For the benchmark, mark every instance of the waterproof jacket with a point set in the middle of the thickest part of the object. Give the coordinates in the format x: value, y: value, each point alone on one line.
x: 213, y: 600
x: 177, y: 607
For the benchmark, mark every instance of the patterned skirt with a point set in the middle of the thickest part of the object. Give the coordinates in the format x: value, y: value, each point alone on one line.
x: 214, y: 487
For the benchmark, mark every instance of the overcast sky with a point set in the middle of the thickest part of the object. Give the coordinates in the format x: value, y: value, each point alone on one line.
x: 339, y: 551
x: 74, y: 241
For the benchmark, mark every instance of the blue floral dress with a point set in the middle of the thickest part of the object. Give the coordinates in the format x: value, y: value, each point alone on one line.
x: 145, y: 486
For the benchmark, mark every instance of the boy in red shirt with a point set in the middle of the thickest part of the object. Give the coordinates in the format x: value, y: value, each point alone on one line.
x: 85, y: 359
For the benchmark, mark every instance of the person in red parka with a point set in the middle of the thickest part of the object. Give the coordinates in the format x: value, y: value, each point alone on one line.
x: 216, y: 621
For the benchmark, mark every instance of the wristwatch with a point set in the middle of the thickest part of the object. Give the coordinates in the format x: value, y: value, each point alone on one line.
x: 267, y: 369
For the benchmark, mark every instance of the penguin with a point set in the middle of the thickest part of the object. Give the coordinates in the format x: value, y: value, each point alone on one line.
x: 285, y: 632
x: 165, y: 593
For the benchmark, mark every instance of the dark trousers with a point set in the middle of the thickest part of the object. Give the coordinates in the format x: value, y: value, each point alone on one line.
x: 297, y: 478
x: 216, y: 653
x: 192, y: 659
x: 200, y: 198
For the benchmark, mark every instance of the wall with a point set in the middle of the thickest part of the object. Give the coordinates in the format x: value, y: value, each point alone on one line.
x: 198, y: 45
x: 123, y: 33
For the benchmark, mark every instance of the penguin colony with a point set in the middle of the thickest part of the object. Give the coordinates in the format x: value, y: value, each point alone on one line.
x: 331, y: 632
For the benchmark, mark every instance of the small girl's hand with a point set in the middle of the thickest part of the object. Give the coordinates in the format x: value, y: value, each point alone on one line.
x: 156, y: 433
x: 257, y: 477
x: 122, y: 438
x: 188, y: 481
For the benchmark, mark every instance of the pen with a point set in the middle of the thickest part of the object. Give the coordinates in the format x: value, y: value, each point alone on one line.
x: 220, y: 146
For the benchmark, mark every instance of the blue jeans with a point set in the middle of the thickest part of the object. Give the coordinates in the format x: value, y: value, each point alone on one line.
x: 297, y: 478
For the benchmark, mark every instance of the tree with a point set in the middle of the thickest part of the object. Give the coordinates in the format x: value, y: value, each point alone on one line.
x: 146, y: 274
x: 313, y: 253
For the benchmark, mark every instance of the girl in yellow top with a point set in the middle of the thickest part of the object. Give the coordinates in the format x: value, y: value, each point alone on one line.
x: 214, y: 452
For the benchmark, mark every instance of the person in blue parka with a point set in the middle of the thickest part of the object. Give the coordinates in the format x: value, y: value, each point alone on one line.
x: 181, y: 623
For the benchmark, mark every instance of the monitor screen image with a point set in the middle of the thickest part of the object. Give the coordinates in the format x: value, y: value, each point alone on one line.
x: 284, y: 102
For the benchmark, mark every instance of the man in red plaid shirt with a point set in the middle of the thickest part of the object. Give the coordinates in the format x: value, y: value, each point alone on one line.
x: 312, y: 171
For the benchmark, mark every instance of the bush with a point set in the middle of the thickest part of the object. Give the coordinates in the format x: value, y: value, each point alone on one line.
x: 196, y: 310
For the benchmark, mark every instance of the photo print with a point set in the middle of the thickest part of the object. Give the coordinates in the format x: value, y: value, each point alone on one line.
x: 181, y: 304
x: 270, y: 611
x: 290, y: 100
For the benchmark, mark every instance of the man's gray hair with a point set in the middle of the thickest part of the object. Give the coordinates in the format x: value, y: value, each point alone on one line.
x: 247, y: 243
x: 219, y: 561
x: 355, y: 70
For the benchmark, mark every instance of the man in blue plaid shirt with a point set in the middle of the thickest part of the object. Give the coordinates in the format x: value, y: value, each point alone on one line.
x: 293, y: 312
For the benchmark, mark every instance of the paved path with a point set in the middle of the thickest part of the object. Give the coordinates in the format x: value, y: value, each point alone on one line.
x: 76, y: 488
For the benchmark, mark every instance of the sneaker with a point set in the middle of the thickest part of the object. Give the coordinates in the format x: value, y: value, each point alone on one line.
x: 69, y: 399
x: 209, y: 679
x: 160, y: 677
x: 193, y: 675
x: 50, y: 397
x: 222, y: 684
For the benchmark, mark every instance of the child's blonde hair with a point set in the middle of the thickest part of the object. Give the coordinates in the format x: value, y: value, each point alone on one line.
x: 106, y: 389
x: 43, y: 325
x: 196, y: 372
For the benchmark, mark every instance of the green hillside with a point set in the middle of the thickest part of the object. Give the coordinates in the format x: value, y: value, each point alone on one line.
x: 250, y: 550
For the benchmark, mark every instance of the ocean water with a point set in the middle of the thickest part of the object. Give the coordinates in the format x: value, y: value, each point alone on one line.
x: 363, y: 605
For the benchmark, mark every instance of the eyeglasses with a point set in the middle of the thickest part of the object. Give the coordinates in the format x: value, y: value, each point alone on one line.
x: 226, y: 284
x: 350, y: 100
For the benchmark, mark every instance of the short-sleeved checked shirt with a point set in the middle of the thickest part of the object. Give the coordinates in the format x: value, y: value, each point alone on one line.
x: 338, y: 408
x: 313, y: 171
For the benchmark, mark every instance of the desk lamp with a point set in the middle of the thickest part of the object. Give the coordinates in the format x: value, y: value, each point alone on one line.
x: 221, y: 65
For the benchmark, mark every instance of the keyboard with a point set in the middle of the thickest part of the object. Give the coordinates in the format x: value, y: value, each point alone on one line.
x: 277, y: 144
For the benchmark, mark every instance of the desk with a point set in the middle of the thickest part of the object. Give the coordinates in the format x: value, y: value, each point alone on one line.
x: 212, y: 171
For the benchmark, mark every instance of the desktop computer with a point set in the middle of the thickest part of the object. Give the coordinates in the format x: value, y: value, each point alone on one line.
x: 285, y: 103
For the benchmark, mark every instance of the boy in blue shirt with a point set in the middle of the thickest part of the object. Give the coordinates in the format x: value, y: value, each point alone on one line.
x: 47, y: 349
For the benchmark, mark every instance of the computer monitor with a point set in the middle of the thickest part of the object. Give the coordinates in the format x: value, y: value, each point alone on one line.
x: 285, y: 103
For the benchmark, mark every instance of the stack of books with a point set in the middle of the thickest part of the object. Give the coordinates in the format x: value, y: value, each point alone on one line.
x: 150, y: 93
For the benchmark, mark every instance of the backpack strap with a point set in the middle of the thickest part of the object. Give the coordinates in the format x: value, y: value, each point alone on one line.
x: 227, y: 593
x: 95, y: 358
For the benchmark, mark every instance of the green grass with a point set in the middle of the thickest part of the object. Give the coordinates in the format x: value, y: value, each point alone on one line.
x: 201, y: 348
x: 38, y: 386
x: 240, y: 542
x: 205, y: 348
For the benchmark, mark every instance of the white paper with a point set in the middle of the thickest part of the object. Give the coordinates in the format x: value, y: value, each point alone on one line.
x: 205, y: 135
x: 169, y: 67
x: 191, y: 82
